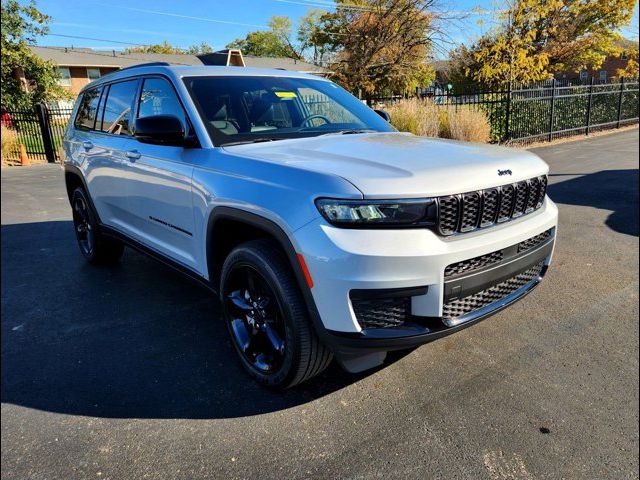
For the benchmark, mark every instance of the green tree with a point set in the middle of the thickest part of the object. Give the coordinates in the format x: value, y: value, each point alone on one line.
x: 164, y: 47
x: 318, y: 35
x: 21, y: 24
x: 275, y: 42
x: 199, y: 48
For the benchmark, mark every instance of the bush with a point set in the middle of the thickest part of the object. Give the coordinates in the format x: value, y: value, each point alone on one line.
x: 10, y: 145
x: 425, y: 118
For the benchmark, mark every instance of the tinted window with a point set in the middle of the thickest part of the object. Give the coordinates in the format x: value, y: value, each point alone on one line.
x: 86, y: 116
x: 159, y: 98
x: 117, y: 110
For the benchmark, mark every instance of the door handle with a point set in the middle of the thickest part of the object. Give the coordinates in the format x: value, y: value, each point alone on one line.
x: 87, y: 145
x: 132, y: 155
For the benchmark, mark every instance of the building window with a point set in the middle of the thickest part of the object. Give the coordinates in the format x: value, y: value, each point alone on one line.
x: 93, y: 74
x: 65, y: 76
x: 583, y: 76
x: 603, y: 76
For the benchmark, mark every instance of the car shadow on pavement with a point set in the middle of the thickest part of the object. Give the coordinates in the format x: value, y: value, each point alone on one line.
x: 615, y: 190
x: 137, y: 340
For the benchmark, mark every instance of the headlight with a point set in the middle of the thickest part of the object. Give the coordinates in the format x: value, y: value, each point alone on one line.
x: 378, y: 213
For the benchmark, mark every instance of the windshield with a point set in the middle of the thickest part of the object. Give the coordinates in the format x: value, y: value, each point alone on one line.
x: 253, y: 109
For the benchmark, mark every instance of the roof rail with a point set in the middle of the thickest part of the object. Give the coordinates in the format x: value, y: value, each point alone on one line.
x: 150, y: 64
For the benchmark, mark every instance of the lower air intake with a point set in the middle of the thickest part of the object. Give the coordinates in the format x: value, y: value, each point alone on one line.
x: 381, y: 312
x: 462, y: 306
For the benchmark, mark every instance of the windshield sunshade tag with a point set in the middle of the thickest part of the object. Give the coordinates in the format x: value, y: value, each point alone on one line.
x: 285, y: 94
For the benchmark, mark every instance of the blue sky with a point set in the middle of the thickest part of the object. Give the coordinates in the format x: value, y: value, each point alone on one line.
x: 216, y: 22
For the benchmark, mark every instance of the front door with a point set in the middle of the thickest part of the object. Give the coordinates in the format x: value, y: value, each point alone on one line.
x: 160, y: 194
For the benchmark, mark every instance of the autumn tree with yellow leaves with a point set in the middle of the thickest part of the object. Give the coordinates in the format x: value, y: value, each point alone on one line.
x: 539, y: 37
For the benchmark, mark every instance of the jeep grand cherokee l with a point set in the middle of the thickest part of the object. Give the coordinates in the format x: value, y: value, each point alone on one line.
x: 325, y: 232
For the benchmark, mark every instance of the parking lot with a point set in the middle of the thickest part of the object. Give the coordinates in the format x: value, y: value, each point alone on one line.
x: 127, y: 372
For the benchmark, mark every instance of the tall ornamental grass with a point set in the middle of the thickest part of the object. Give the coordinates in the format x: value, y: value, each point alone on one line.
x: 424, y: 118
x: 10, y: 147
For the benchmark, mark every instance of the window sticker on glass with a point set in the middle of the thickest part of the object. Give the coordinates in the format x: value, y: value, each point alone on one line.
x: 285, y: 94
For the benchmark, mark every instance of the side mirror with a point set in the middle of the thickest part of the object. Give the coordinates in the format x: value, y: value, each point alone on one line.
x: 160, y: 130
x: 384, y: 115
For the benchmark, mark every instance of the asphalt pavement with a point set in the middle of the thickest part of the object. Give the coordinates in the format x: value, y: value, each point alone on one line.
x: 127, y: 372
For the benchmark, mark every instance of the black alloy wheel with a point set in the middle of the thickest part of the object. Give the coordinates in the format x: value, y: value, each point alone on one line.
x: 256, y: 319
x: 94, y: 246
x: 82, y: 224
x: 267, y: 317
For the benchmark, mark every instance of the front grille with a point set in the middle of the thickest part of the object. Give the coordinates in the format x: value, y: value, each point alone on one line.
x: 381, y: 312
x: 489, y: 207
x: 469, y: 211
x: 533, y: 242
x: 473, y: 264
x: 448, y: 218
x: 522, y: 189
x: 459, y: 307
x: 507, y: 195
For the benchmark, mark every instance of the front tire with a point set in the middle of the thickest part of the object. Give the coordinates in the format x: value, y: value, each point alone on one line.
x: 267, y: 319
x: 94, y: 246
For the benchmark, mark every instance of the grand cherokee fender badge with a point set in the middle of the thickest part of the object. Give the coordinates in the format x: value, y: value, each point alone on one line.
x: 504, y: 172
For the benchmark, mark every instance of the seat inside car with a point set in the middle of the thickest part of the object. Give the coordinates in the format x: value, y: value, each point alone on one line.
x: 220, y: 120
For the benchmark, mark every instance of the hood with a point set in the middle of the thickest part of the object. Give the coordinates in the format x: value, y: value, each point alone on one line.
x: 401, y: 165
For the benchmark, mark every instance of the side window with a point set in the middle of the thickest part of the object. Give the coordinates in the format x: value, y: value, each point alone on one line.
x: 86, y: 117
x: 93, y: 74
x: 159, y: 98
x: 65, y: 76
x: 117, y: 110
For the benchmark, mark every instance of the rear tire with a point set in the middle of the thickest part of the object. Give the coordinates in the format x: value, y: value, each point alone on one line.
x: 267, y: 318
x: 94, y: 246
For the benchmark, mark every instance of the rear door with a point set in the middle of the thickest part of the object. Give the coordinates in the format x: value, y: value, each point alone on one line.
x: 160, y: 195
x: 107, y: 170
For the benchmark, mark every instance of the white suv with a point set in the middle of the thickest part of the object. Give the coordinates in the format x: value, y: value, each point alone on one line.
x: 326, y: 232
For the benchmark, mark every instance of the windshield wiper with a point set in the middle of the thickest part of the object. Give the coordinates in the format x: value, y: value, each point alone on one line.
x: 254, y: 140
x: 349, y: 132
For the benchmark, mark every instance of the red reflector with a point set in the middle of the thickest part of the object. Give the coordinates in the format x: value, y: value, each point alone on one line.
x: 305, y: 270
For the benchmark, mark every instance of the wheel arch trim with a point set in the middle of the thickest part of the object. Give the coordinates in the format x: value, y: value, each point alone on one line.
x: 284, y: 241
x: 76, y: 172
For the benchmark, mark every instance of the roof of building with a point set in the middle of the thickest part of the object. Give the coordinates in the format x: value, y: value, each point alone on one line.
x: 180, y: 71
x: 86, y: 57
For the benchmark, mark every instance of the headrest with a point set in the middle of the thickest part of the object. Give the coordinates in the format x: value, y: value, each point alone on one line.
x: 220, y: 113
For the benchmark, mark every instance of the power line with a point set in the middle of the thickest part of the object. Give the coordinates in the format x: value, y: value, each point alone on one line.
x: 128, y: 57
x: 95, y: 39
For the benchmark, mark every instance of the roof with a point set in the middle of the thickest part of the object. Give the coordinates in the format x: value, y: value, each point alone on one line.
x: 179, y: 71
x: 86, y: 57
x: 279, y: 62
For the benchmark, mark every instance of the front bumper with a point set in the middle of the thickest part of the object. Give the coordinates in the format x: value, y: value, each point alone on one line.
x: 343, y: 261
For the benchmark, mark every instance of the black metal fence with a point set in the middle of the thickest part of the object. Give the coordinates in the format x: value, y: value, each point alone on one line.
x: 36, y: 133
x: 546, y: 110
